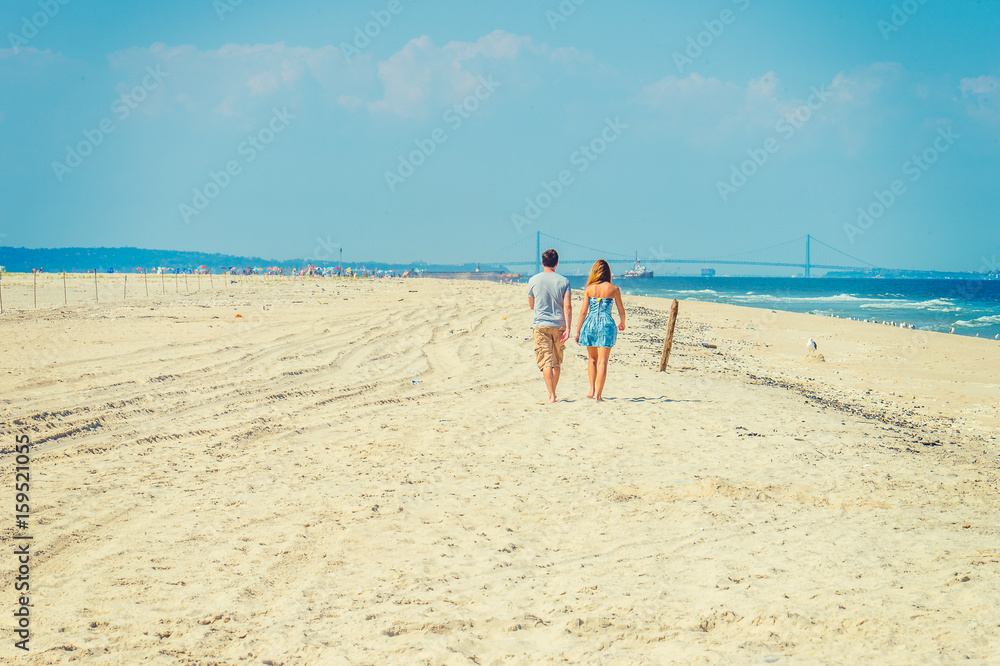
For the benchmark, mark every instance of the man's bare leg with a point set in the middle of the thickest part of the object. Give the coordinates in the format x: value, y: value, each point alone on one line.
x: 551, y: 381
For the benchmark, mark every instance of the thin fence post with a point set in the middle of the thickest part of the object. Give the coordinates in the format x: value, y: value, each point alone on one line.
x: 97, y: 299
x: 163, y: 283
x: 668, y: 342
x: 187, y: 289
x: 145, y: 280
x: 125, y: 288
x: 34, y: 287
x: 1, y: 293
x: 65, y: 299
x: 199, y: 281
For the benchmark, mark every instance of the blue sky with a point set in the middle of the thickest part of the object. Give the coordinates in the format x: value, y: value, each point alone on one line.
x: 695, y: 129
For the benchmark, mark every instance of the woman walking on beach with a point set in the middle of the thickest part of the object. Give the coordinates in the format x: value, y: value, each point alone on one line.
x: 596, y: 329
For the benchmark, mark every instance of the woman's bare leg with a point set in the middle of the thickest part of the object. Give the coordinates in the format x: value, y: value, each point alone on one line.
x: 603, y: 353
x: 591, y: 368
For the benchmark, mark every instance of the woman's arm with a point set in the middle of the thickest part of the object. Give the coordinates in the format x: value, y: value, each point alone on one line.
x: 583, y: 312
x: 621, y: 309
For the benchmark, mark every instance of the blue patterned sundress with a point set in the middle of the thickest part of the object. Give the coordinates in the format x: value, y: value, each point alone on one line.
x: 599, y: 329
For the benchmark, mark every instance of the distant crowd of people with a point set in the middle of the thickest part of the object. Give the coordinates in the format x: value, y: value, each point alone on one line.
x: 310, y: 270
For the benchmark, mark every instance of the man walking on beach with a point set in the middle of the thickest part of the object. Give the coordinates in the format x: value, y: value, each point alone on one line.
x: 549, y: 296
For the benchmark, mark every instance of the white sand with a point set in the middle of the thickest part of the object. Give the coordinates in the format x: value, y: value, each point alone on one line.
x: 366, y: 473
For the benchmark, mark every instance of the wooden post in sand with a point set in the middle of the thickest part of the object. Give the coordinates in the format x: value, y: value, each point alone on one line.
x: 96, y: 299
x: 145, y: 280
x: 65, y: 300
x: 1, y: 293
x: 34, y: 287
x: 125, y: 287
x: 669, y: 341
x: 163, y: 282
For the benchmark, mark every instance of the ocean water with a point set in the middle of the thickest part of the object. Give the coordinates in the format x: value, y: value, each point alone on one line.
x: 968, y: 306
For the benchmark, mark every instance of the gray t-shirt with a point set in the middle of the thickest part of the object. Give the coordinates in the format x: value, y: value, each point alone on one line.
x: 548, y: 290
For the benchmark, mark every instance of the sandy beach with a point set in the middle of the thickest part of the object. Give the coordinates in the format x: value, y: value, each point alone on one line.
x: 310, y: 471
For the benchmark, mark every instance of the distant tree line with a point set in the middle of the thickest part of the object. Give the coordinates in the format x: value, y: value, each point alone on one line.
x: 128, y: 259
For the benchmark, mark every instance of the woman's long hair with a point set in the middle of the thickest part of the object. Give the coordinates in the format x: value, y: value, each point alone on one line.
x: 601, y: 272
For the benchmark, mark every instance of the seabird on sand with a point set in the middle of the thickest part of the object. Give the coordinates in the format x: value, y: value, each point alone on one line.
x: 952, y: 330
x: 812, y: 344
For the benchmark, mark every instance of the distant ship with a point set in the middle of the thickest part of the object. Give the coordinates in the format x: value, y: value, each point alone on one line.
x: 637, y: 271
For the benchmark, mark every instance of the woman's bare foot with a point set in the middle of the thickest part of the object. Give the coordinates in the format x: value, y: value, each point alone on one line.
x: 552, y: 398
x: 599, y: 399
x: 590, y: 395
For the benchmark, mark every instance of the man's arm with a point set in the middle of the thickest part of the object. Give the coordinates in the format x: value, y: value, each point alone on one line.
x: 531, y: 302
x: 568, y: 313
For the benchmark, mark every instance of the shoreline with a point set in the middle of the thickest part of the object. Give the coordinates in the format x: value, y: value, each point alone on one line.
x: 368, y: 470
x: 17, y: 292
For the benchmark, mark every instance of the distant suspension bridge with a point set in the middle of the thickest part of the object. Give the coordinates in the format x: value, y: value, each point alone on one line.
x: 806, y: 253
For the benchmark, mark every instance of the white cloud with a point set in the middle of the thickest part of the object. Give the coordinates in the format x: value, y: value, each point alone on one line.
x: 673, y: 94
x: 710, y: 111
x: 30, y: 54
x: 861, y: 86
x: 982, y: 95
x: 263, y: 84
x: 350, y: 102
x: 979, y: 85
x: 420, y: 78
x: 236, y: 79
